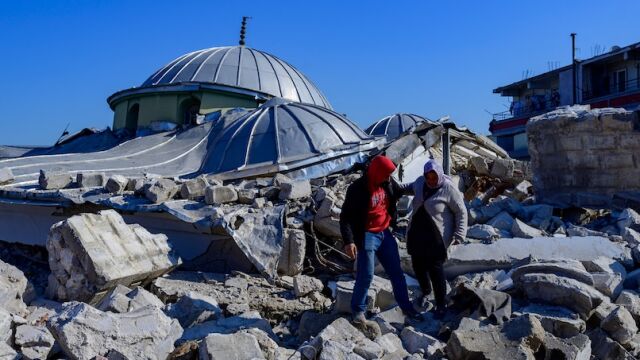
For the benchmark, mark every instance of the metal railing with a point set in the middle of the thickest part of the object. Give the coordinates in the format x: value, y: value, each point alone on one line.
x: 534, y: 105
x: 611, y: 89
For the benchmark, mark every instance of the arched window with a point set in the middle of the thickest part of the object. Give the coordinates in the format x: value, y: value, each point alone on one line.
x: 132, y: 117
x: 190, y: 109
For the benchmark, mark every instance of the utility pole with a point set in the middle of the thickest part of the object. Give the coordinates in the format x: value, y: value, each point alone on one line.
x: 573, y: 66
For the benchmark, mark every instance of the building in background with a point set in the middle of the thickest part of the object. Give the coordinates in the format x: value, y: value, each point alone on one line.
x: 608, y: 80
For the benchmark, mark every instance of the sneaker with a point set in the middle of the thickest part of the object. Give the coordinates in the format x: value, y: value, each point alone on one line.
x: 358, y: 318
x: 369, y: 328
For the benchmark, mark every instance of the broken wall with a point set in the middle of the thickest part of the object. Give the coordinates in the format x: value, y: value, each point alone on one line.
x: 582, y: 157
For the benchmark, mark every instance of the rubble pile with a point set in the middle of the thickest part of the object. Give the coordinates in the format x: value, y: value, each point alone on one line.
x: 532, y: 280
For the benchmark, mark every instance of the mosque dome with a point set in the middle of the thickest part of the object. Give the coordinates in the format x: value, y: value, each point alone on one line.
x: 243, y: 68
x: 284, y: 135
x: 393, y: 125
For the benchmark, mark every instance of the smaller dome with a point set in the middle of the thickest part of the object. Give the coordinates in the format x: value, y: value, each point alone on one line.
x: 284, y: 133
x: 394, y: 125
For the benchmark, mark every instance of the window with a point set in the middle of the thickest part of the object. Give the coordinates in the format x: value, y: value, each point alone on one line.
x: 620, y: 80
x: 190, y: 109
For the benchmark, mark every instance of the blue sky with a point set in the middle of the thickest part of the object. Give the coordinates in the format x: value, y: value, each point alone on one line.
x: 60, y: 60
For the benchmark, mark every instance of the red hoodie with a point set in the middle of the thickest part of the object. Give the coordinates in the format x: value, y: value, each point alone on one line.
x: 378, y: 218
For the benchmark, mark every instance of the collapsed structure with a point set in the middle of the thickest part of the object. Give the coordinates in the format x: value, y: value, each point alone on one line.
x: 246, y: 201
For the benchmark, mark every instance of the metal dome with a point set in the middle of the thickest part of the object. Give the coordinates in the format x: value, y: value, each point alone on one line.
x: 394, y: 125
x: 283, y: 135
x: 240, y: 67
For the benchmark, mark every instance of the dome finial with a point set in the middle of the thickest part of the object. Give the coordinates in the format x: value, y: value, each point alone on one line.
x: 243, y: 29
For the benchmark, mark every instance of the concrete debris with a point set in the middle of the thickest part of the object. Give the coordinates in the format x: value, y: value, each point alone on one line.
x: 620, y: 326
x: 194, y: 189
x: 304, y: 285
x: 293, y: 252
x: 91, y: 180
x: 380, y: 295
x: 415, y: 341
x: 483, y: 232
x: 117, y: 184
x: 35, y: 342
x: 343, y: 333
x: 6, y: 176
x: 247, y: 196
x: 194, y: 308
x: 218, y: 194
x: 556, y: 320
x: 121, y: 300
x: 232, y: 346
x: 161, y: 191
x: 522, y: 230
x: 84, y: 332
x: 604, y: 347
x: 15, y: 290
x: 7, y: 352
x: 79, y: 267
x: 295, y: 190
x: 630, y: 300
x: 49, y: 180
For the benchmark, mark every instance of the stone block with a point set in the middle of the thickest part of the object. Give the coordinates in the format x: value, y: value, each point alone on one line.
x: 608, y: 283
x: 617, y: 161
x: 50, y: 180
x: 161, y: 191
x: 418, y: 342
x: 343, y: 333
x: 295, y: 190
x: 481, y: 165
x: 620, y: 325
x: 6, y: 176
x: 247, y: 196
x: 293, y: 252
x: 522, y: 230
x: 116, y: 184
x: 557, y: 320
x: 6, y: 327
x: 604, y: 347
x: 304, y: 285
x: 568, y: 143
x: 89, y: 180
x: 232, y: 346
x: 599, y: 141
x: 35, y: 342
x: 631, y: 301
x: 92, y: 253
x: 217, y: 194
x: 482, y: 232
x: 193, y: 309
x: 193, y: 189
x: 84, y: 332
x: 14, y: 290
x: 380, y: 295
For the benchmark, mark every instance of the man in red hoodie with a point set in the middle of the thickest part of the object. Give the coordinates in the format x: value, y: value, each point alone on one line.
x: 368, y: 211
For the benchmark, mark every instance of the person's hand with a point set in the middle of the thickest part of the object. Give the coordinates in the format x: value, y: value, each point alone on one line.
x: 350, y: 250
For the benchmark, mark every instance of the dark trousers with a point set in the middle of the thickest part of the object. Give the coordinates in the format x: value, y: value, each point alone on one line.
x: 431, y: 272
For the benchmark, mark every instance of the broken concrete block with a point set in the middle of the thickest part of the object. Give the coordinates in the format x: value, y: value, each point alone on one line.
x: 620, y: 326
x: 567, y: 269
x: 502, y: 221
x: 247, y: 196
x: 503, y: 169
x: 250, y: 319
x: 259, y: 203
x: 161, y: 191
x: 194, y: 308
x: 116, y: 184
x: 466, y: 258
x: 392, y: 345
x: 269, y: 348
x: 89, y: 180
x: 14, y: 289
x: 335, y: 350
x: 521, y: 191
x: 632, y: 237
x: 628, y: 218
x: 6, y: 176
x: 92, y: 253
x: 608, y: 283
x: 604, y: 347
x: 519, y: 338
x: 84, y: 332
x: 35, y: 342
x: 50, y: 180
x: 121, y: 300
x: 343, y: 333
x: 522, y: 230
x: 557, y: 320
x: 295, y: 190
x: 327, y: 219
x: 481, y: 165
x: 217, y: 194
x: 194, y: 188
x: 604, y: 264
x: 280, y: 179
x: 631, y: 301
x: 418, y: 342
x: 561, y: 291
x: 7, y: 352
x: 269, y: 192
x: 482, y: 232
x: 577, y: 347
x: 232, y: 346
x: 390, y: 321
x: 6, y: 327
x: 303, y: 285
x: 293, y: 252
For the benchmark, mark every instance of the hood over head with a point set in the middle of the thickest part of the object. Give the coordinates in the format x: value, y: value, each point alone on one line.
x: 433, y: 165
x: 379, y: 170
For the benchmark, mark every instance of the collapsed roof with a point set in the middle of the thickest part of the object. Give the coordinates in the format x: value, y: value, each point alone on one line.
x: 393, y: 126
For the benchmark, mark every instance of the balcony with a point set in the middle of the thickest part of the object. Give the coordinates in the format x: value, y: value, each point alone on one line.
x: 615, y: 88
x: 532, y: 106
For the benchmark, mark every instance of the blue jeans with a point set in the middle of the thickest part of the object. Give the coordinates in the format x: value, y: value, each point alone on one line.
x: 384, y: 246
